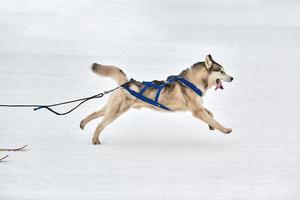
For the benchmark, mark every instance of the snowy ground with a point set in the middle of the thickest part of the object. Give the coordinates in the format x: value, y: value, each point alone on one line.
x: 46, y: 48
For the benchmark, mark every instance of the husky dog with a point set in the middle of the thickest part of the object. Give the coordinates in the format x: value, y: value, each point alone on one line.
x: 175, y: 96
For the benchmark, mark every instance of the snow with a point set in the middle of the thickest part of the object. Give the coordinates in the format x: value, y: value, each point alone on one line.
x: 47, y: 48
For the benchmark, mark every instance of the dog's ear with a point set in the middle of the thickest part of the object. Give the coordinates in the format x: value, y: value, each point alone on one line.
x: 208, y: 61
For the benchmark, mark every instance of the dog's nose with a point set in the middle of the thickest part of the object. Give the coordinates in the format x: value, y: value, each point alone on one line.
x: 231, y: 79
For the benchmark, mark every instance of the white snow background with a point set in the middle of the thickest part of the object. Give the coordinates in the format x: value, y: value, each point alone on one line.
x: 47, y: 47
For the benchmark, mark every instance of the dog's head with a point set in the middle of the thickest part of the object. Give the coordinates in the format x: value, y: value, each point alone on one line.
x: 216, y: 73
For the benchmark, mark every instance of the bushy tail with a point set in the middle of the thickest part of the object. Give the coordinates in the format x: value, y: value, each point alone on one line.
x: 110, y: 71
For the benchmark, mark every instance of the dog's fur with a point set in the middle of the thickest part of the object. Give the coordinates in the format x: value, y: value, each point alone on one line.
x: 175, y: 96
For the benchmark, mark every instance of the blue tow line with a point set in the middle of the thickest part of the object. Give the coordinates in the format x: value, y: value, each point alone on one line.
x: 159, y: 88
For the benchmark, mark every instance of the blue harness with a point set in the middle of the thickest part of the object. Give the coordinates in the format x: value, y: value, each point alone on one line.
x: 159, y: 88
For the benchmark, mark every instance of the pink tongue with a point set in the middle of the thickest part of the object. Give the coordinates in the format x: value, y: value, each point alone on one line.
x: 219, y: 85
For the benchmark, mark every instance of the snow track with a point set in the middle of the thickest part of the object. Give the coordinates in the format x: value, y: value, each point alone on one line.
x: 47, y: 48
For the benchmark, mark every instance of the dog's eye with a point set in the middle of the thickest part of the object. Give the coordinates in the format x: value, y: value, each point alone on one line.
x: 222, y: 72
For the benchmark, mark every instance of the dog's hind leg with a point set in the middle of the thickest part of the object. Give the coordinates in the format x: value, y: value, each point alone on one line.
x: 210, y: 114
x: 114, y: 109
x: 92, y: 116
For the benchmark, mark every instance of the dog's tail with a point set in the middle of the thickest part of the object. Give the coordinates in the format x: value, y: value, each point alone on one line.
x: 110, y: 71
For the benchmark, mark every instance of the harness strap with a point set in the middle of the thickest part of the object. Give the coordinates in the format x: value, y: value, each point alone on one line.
x: 143, y: 89
x: 143, y: 98
x: 190, y: 85
x: 162, y: 87
x: 158, y: 93
x: 159, y: 88
x: 151, y: 84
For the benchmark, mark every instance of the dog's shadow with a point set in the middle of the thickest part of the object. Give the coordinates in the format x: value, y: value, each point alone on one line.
x: 170, y: 143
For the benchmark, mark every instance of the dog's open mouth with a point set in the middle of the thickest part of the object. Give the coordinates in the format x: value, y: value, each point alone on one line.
x: 219, y: 84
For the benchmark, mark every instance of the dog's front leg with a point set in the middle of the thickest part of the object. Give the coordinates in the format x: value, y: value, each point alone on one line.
x: 204, y: 116
x: 212, y: 115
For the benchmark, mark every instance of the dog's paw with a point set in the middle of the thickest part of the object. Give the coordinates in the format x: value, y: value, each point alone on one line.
x: 96, y: 141
x: 211, y: 128
x: 227, y: 130
x: 82, y: 124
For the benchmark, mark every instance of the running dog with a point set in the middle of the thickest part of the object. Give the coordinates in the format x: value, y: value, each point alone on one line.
x: 176, y: 96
